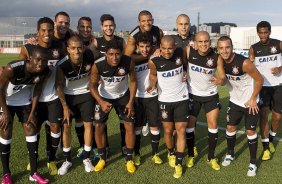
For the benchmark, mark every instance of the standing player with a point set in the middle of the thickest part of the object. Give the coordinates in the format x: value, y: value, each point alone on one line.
x: 114, y: 92
x: 243, y: 102
x: 146, y: 104
x: 62, y: 27
x: 167, y: 70
x: 202, y: 65
x: 72, y: 85
x: 267, y: 57
x: 16, y: 84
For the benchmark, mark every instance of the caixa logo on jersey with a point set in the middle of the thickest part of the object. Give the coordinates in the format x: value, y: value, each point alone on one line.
x: 268, y: 59
x: 173, y: 73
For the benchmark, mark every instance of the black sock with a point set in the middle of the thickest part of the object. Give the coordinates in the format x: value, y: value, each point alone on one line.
x: 67, y: 155
x: 265, y: 145
x: 271, y: 138
x: 179, y: 158
x: 171, y: 151
x: 80, y: 135
x: 137, y: 144
x: 33, y: 155
x: 106, y: 138
x: 94, y: 145
x: 48, y: 138
x: 253, y: 146
x: 231, y: 140
x: 190, y: 142
x: 155, y: 140
x: 55, y: 143
x: 5, y: 157
x: 122, y: 134
x: 129, y: 153
x: 86, y: 154
x: 212, y: 144
x: 102, y: 153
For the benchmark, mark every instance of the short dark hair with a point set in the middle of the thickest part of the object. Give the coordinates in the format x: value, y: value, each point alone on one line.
x: 112, y: 44
x: 144, y: 12
x: 224, y: 38
x: 44, y: 20
x: 85, y: 18
x: 74, y: 38
x: 105, y: 17
x: 144, y: 38
x: 62, y: 13
x: 263, y: 24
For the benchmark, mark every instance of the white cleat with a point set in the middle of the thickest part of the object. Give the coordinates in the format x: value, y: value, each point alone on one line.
x: 88, y: 165
x: 227, y: 160
x: 64, y: 168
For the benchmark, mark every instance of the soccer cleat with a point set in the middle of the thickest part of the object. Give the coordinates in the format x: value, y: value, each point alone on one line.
x: 64, y: 168
x: 79, y: 153
x: 190, y: 162
x: 37, y: 178
x: 227, y: 160
x: 53, y: 170
x: 145, y: 130
x: 28, y: 167
x: 156, y: 159
x: 178, y: 171
x: 214, y: 164
x: 137, y: 160
x: 266, y: 155
x: 171, y: 160
x: 252, y: 170
x: 88, y: 165
x: 195, y: 152
x: 130, y: 166
x: 100, y: 165
x: 271, y: 147
x: 7, y: 179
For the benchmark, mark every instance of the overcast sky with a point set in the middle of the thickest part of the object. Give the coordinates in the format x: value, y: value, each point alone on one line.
x: 240, y: 12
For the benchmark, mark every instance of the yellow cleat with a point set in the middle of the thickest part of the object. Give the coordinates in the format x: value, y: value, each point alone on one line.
x: 171, y: 160
x: 266, y: 155
x: 28, y: 167
x: 137, y: 160
x: 53, y: 170
x: 130, y: 166
x: 195, y: 152
x: 214, y: 164
x: 156, y: 159
x: 178, y: 171
x: 190, y: 162
x: 100, y: 165
x: 271, y: 147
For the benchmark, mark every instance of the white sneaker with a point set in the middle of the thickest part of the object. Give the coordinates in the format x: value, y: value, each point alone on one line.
x: 64, y: 168
x: 252, y: 171
x: 145, y: 130
x: 227, y: 160
x: 88, y: 165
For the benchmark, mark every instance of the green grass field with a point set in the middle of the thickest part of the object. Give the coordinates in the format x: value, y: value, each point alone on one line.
x: 115, y: 172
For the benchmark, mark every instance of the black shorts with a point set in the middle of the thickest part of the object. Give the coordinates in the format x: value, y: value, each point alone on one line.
x: 81, y: 105
x: 146, y: 111
x: 235, y: 114
x: 21, y: 111
x: 209, y: 103
x: 118, y: 104
x: 174, y: 111
x: 271, y: 97
x: 51, y: 111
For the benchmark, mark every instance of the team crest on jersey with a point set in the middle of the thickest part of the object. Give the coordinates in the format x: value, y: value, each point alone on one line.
x: 87, y: 67
x: 36, y: 80
x: 191, y: 43
x: 209, y: 62
x: 154, y: 39
x: 164, y: 114
x: 97, y: 116
x: 273, y: 50
x: 121, y: 71
x: 178, y: 61
x: 227, y: 118
x: 235, y: 70
x: 55, y: 53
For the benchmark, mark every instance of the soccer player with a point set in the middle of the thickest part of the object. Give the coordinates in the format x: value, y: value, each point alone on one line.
x: 146, y: 21
x: 202, y: 65
x: 62, y: 27
x: 113, y: 91
x: 267, y: 57
x: 16, y: 87
x: 167, y: 70
x: 146, y: 104
x: 73, y: 90
x: 184, y: 37
x: 241, y: 74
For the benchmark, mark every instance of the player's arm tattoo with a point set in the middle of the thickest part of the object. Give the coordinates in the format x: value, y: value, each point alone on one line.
x: 94, y: 83
x: 58, y: 85
x: 133, y: 82
x: 251, y: 54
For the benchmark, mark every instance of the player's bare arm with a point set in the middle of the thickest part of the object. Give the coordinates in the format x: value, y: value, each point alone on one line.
x: 152, y: 77
x: 130, y: 46
x: 132, y: 88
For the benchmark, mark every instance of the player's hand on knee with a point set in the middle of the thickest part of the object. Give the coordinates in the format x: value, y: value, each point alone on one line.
x: 67, y: 115
x: 253, y: 106
x: 106, y: 106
